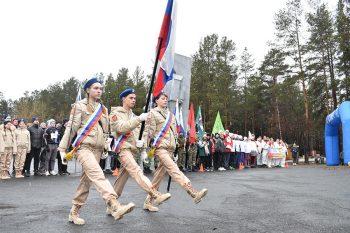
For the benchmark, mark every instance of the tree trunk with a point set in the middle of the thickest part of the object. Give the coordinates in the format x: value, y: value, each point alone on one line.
x: 325, y: 83
x: 278, y: 118
x: 333, y: 84
x: 306, y: 97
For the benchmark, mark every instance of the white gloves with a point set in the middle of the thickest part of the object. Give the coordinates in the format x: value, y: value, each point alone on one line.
x: 143, y: 155
x: 139, y: 143
x: 143, y: 116
x: 104, y: 155
x: 63, y: 157
x: 108, y: 144
x: 63, y: 154
x: 175, y: 158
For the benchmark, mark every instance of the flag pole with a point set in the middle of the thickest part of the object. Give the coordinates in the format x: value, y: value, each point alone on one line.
x: 160, y: 41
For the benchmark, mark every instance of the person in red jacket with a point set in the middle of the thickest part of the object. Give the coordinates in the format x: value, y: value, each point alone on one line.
x: 228, y: 142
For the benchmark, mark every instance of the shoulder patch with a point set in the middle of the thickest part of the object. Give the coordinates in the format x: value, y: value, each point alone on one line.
x: 114, y: 118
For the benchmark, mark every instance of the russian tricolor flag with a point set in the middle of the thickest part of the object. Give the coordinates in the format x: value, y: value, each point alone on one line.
x: 78, y: 95
x: 179, y: 120
x: 165, y: 69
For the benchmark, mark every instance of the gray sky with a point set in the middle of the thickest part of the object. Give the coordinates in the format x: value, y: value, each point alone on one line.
x: 43, y: 41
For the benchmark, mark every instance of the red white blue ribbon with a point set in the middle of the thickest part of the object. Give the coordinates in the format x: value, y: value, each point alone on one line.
x: 164, y: 130
x: 90, y: 124
x: 118, y: 143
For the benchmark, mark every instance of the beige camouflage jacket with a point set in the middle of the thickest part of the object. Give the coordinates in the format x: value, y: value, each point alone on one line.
x: 158, y: 117
x: 122, y: 122
x: 8, y: 139
x: 78, y: 117
x: 23, y: 139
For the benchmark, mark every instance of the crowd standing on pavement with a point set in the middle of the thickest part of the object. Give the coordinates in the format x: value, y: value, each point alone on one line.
x: 22, y: 142
x: 103, y: 142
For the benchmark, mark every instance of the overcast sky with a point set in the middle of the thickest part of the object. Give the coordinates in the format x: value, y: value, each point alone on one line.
x: 44, y: 41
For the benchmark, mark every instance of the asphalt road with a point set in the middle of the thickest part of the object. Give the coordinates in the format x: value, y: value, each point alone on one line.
x: 294, y: 199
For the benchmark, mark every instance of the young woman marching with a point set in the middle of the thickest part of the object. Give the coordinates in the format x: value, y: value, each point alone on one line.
x: 89, y: 123
x: 162, y: 128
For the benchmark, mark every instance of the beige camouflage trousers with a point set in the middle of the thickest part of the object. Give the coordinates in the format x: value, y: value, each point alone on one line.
x: 92, y: 173
x: 129, y: 167
x: 168, y: 165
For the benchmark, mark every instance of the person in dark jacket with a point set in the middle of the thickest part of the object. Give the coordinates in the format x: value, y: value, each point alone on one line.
x: 36, y: 141
x: 295, y: 150
x: 51, y: 137
x: 62, y: 168
x: 203, y: 153
x: 211, y: 147
x: 219, y: 149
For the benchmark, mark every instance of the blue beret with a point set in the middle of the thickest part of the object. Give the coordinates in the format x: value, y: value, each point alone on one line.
x: 126, y: 92
x: 65, y: 120
x: 90, y: 82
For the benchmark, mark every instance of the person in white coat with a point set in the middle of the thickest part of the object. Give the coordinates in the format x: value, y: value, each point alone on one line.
x: 265, y: 152
x: 284, y: 152
x: 277, y: 162
x: 253, y: 151
x: 237, y: 145
x: 247, y: 151
x: 259, y: 151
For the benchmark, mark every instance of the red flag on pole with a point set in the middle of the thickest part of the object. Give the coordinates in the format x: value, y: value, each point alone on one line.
x: 191, y: 126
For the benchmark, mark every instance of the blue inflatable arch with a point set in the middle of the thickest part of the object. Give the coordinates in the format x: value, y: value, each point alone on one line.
x: 340, y: 116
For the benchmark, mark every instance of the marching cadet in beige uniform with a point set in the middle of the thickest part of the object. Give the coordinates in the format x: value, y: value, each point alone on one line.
x: 23, y: 147
x: 8, y: 147
x: 125, y: 127
x: 164, y: 144
x: 89, y: 150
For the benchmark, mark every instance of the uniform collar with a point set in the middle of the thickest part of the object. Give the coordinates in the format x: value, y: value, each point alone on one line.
x: 162, y: 110
x: 123, y: 110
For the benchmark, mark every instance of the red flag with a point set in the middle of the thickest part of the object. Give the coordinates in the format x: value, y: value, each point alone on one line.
x: 192, y: 126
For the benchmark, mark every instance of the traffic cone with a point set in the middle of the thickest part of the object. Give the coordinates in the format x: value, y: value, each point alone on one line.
x: 286, y: 165
x: 115, y: 172
x: 240, y: 166
x: 201, y: 168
